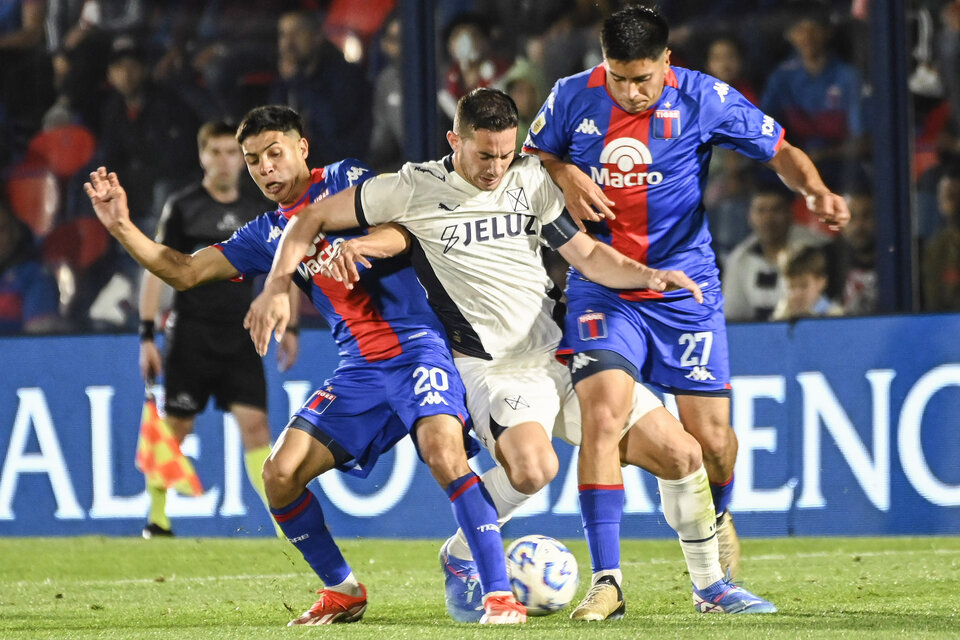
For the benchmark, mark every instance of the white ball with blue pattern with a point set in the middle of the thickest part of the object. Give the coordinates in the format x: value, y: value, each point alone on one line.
x: 543, y: 574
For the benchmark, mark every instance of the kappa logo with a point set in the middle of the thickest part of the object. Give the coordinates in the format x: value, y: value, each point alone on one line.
x: 589, y: 127
x: 355, y: 172
x: 626, y: 154
x: 516, y: 402
x: 580, y: 360
x: 433, y: 398
x: 722, y: 89
x: 518, y: 199
x: 700, y: 374
x: 275, y: 232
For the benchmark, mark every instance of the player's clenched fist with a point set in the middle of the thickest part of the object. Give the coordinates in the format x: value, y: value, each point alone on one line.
x: 108, y: 198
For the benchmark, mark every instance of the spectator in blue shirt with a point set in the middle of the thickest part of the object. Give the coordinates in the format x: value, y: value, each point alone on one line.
x: 29, y: 296
x: 814, y: 94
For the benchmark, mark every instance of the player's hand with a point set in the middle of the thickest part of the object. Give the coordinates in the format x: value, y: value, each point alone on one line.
x: 661, y: 280
x: 288, y: 351
x: 342, y: 265
x: 108, y: 198
x: 269, y: 312
x: 151, y: 361
x: 585, y: 200
x: 830, y: 208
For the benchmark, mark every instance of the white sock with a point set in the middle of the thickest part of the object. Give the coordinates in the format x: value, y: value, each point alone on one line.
x: 506, y: 500
x: 616, y: 573
x: 688, y: 508
x: 349, y: 586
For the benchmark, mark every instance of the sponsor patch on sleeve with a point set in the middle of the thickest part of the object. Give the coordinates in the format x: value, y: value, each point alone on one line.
x: 538, y: 124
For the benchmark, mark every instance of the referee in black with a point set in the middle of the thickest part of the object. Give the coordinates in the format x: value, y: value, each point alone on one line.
x: 208, y: 352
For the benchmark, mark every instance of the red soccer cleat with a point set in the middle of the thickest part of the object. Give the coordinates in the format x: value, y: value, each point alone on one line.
x: 502, y: 608
x: 333, y: 607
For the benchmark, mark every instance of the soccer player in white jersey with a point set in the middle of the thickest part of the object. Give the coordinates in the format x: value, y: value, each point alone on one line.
x: 474, y: 223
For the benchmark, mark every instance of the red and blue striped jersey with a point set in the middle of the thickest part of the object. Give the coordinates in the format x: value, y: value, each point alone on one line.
x: 374, y: 319
x: 653, y: 164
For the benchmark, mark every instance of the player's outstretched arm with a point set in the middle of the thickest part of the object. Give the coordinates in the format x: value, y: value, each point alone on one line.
x: 798, y: 172
x: 177, y: 269
x: 606, y: 266
x: 270, y: 311
x: 584, y: 199
x: 383, y: 241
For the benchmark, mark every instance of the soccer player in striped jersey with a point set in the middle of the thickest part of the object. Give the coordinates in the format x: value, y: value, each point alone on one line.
x: 474, y: 223
x: 638, y: 133
x: 396, y: 375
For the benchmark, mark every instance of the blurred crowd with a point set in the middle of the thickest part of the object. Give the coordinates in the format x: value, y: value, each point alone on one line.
x: 127, y: 84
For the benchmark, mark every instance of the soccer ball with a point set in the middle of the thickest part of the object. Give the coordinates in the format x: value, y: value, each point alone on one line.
x: 543, y: 574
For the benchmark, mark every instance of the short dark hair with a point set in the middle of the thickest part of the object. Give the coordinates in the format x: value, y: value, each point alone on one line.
x: 634, y: 33
x: 768, y: 184
x: 214, y: 129
x: 805, y: 260
x: 813, y: 10
x: 273, y: 117
x: 485, y: 108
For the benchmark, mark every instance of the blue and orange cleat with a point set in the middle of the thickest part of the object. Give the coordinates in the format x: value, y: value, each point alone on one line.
x: 461, y: 585
x: 724, y: 596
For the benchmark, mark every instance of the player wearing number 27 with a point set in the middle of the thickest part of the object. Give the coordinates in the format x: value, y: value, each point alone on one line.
x: 638, y: 133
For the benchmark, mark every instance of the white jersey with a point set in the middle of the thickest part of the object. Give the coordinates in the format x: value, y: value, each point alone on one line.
x: 476, y: 252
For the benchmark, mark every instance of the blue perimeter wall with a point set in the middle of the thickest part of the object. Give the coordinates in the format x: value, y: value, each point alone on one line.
x: 846, y: 427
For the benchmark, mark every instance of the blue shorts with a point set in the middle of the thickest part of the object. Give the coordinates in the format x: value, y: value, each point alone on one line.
x: 679, y: 346
x: 366, y: 407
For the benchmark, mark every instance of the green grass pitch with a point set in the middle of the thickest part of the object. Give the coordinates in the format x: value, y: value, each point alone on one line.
x: 93, y: 587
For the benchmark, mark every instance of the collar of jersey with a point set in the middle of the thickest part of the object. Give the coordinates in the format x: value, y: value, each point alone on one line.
x: 598, y: 79
x: 316, y: 176
x: 456, y: 179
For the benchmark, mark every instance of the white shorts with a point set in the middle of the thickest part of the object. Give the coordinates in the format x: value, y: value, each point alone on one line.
x: 530, y: 388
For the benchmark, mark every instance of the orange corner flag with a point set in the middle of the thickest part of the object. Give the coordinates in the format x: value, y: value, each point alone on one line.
x: 159, y: 457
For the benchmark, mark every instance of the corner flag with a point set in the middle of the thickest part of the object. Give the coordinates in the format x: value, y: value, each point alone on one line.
x: 159, y: 457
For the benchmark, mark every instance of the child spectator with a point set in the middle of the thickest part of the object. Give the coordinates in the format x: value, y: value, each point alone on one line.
x: 805, y: 271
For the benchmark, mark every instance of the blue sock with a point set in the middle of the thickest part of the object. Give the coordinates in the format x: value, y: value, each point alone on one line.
x: 474, y: 511
x: 721, y: 495
x: 303, y: 524
x: 601, y: 508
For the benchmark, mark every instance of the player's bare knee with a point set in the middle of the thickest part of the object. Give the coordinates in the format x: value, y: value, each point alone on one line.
x: 534, y: 472
x: 683, y: 459
x: 280, y: 483
x: 445, y: 464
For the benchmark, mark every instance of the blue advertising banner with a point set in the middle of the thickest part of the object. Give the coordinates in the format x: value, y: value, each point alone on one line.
x: 846, y: 427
